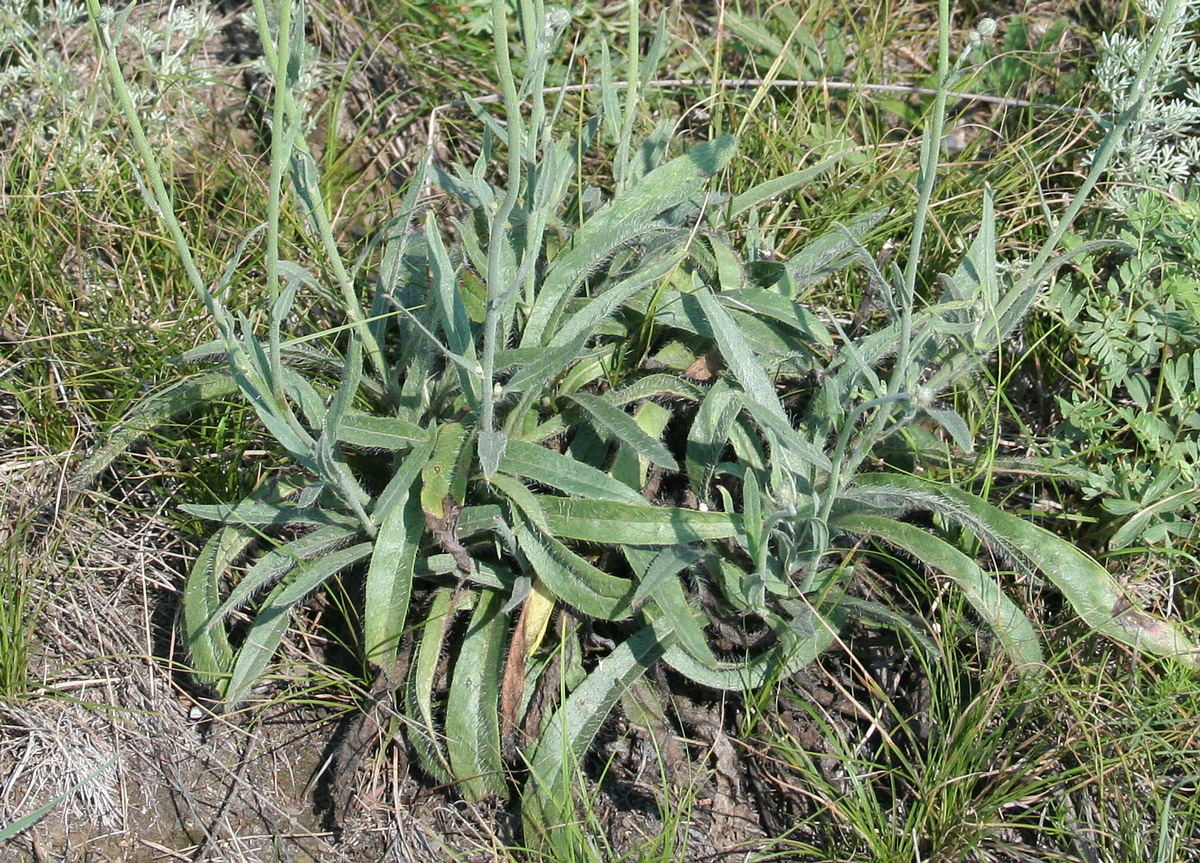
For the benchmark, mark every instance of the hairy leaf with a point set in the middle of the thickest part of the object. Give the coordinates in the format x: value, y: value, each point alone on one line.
x: 1092, y: 591
x: 1013, y: 628
x: 625, y: 524
x: 626, y: 429
x: 570, y: 731
x: 472, y: 718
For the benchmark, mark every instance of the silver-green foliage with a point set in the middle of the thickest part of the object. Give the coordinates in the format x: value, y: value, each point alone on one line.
x: 1159, y: 149
x: 47, y: 106
x: 480, y: 449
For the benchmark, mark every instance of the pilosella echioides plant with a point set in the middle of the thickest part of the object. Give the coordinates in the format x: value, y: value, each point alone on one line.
x: 496, y: 458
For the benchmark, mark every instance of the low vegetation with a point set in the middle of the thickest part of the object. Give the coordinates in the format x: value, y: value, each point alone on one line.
x: 703, y: 393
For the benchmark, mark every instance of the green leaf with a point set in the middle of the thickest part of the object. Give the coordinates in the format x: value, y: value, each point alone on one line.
x: 653, y: 387
x: 595, y: 311
x: 259, y: 513
x: 370, y: 432
x: 455, y: 322
x: 570, y: 731
x: 757, y: 532
x: 626, y: 429
x: 443, y: 476
x: 1137, y: 524
x: 572, y: 579
x: 728, y: 270
x: 1000, y: 613
x: 741, y: 362
x: 831, y: 251
x: 954, y: 425
x: 659, y: 582
x: 389, y: 583
x: 279, y: 562
x: 760, y: 398
x: 619, y: 523
x: 211, y: 654
x: 1094, y: 594
x: 151, y: 412
x: 791, y: 314
x: 421, y: 729
x: 472, y: 718
x: 772, y: 188
x: 272, y: 620
x: 545, y: 364
x: 709, y: 434
x: 626, y: 220
x: 564, y: 473
x: 492, y: 445
x: 800, y: 640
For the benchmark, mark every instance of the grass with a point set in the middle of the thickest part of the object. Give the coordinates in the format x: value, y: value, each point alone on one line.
x: 1097, y: 764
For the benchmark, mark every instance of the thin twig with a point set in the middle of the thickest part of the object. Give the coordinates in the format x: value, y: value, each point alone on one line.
x: 747, y: 83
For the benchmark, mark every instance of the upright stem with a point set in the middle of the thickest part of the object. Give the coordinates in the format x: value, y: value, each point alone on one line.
x: 1108, y: 146
x: 279, y: 156
x: 930, y: 150
x: 496, y: 287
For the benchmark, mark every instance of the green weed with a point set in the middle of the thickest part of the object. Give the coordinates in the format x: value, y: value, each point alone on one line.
x: 593, y: 406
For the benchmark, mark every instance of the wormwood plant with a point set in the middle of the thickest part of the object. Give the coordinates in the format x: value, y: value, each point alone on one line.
x: 502, y: 446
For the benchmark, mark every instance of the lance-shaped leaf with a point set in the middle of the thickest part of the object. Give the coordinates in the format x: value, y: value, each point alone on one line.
x: 154, y: 410
x: 572, y: 579
x: 390, y: 579
x: 261, y: 513
x: 763, y: 192
x: 211, y: 654
x: 368, y: 432
x: 279, y: 562
x: 831, y: 251
x: 472, y: 708
x: 272, y: 620
x: 443, y: 477
x: 760, y: 397
x: 624, y: 524
x: 1094, y: 594
x: 421, y: 729
x: 626, y: 220
x: 803, y: 634
x: 659, y: 581
x: 626, y: 429
x: 1012, y: 627
x: 709, y: 434
x: 564, y: 473
x: 570, y: 731
x: 460, y: 339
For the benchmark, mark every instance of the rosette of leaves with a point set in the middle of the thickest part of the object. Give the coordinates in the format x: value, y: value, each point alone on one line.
x: 505, y: 449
